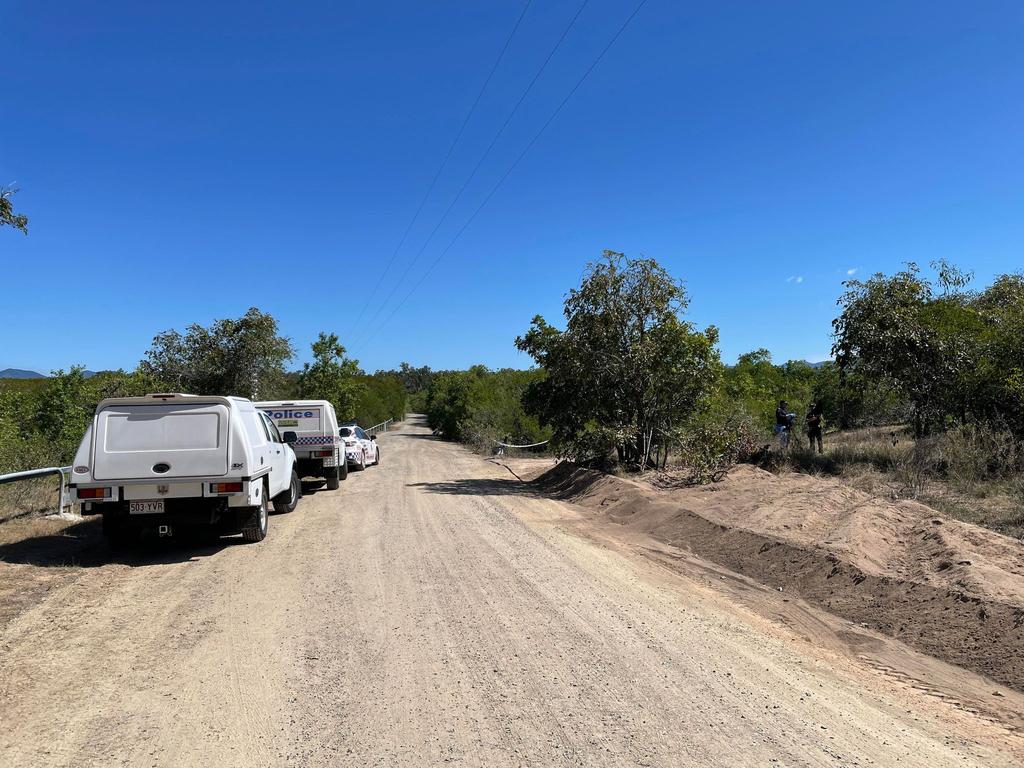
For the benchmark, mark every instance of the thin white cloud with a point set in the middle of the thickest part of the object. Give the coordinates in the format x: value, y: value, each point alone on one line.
x: 795, y: 279
x: 852, y: 271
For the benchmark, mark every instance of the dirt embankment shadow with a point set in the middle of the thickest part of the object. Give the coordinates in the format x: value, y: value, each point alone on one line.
x: 948, y: 589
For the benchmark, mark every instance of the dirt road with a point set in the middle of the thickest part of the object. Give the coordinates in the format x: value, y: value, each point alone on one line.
x: 436, y: 611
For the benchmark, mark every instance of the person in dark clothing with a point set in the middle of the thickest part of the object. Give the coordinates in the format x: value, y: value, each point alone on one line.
x: 782, y: 414
x: 815, y: 420
x: 783, y: 423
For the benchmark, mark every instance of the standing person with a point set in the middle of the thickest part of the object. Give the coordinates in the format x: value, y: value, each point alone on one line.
x: 783, y: 423
x: 815, y: 424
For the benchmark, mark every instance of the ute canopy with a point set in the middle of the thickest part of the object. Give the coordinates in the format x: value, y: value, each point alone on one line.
x: 172, y: 440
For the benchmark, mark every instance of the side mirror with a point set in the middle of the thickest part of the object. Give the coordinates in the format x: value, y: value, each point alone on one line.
x: 373, y: 437
x: 290, y: 437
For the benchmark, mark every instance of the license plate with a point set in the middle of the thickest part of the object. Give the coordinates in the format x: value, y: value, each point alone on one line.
x: 145, y: 507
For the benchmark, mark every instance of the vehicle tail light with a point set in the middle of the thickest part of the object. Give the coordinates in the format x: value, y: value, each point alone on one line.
x: 226, y: 487
x: 323, y: 453
x: 94, y: 493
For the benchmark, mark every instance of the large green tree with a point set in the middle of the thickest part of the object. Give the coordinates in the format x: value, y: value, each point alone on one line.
x: 627, y: 372
x: 953, y: 354
x: 999, y: 374
x: 883, y: 334
x: 332, y: 376
x: 243, y: 357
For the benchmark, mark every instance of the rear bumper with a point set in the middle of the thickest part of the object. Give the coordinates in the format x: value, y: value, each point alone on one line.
x: 198, y: 514
x: 175, y: 493
x: 315, y: 467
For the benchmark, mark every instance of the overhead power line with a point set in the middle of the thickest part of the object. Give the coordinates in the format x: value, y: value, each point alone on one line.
x: 512, y: 167
x: 444, y: 163
x: 480, y: 162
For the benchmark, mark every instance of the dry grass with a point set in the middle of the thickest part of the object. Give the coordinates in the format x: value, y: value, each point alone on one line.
x: 28, y: 497
x: 973, y: 475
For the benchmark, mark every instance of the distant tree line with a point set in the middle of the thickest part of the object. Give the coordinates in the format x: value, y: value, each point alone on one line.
x: 627, y: 379
x: 43, y: 420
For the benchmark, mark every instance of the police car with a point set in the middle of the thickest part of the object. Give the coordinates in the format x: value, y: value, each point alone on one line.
x: 361, y: 449
x: 318, y: 446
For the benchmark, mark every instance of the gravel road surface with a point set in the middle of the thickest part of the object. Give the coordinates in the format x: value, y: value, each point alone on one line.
x: 436, y: 611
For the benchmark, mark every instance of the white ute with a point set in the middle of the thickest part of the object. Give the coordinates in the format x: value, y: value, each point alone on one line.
x: 163, y: 462
x: 318, y: 446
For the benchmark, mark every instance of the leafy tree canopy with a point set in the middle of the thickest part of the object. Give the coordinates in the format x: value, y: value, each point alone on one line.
x: 243, y: 357
x: 952, y: 353
x: 332, y: 376
x: 8, y: 218
x: 627, y: 372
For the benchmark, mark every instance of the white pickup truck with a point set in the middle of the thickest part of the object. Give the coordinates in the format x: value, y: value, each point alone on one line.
x: 165, y: 462
x: 318, y: 446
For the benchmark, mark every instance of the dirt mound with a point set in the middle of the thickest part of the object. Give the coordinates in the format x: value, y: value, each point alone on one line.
x: 946, y: 588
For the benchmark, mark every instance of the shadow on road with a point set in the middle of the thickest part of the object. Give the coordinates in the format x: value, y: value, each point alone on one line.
x: 310, y: 487
x: 478, y: 487
x: 83, y: 545
x: 415, y: 436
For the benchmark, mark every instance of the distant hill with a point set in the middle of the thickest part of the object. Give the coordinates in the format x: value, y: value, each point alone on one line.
x: 19, y: 373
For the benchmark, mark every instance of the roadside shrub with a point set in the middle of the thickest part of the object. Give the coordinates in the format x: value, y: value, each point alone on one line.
x: 972, y: 454
x: 965, y: 457
x: 708, y: 447
x: 43, y: 425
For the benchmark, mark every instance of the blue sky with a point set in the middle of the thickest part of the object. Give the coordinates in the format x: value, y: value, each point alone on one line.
x: 182, y: 161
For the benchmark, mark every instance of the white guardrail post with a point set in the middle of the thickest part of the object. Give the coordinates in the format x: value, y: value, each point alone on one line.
x: 28, y: 474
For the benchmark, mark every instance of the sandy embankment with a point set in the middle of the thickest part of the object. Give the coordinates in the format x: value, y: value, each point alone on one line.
x: 950, y: 589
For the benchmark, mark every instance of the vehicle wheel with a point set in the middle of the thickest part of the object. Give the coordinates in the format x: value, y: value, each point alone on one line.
x: 362, y: 463
x: 287, y: 500
x: 333, y: 483
x: 376, y: 457
x: 343, y: 467
x: 255, y: 528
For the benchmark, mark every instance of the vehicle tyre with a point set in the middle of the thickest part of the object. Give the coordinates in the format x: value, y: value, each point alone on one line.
x: 361, y: 464
x: 333, y: 483
x: 343, y: 467
x: 255, y: 528
x: 376, y: 457
x: 288, y: 499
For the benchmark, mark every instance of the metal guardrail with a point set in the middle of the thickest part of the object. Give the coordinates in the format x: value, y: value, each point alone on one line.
x: 29, y: 474
x: 382, y: 427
